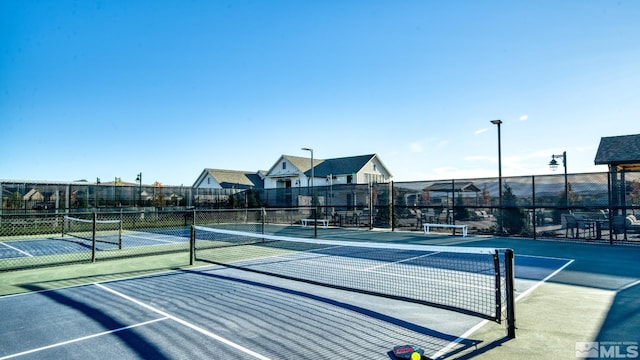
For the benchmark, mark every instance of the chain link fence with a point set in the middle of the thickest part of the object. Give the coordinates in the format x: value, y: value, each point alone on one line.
x: 594, y: 207
x: 33, y: 240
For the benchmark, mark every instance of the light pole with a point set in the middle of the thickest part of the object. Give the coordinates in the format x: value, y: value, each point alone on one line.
x: 139, y: 180
x: 553, y: 164
x: 313, y: 195
x: 97, y: 192
x: 312, y: 172
x: 498, y: 123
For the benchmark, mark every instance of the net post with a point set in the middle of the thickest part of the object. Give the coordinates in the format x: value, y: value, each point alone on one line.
x: 497, y: 286
x: 93, y: 238
x: 510, y: 297
x: 192, y: 245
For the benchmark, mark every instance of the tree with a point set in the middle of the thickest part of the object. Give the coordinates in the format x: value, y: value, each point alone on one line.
x: 460, y: 212
x: 15, y: 200
x: 485, y: 197
x: 562, y: 204
x: 511, y: 217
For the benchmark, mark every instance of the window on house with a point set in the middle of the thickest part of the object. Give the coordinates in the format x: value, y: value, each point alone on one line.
x: 284, y: 165
x: 349, y: 179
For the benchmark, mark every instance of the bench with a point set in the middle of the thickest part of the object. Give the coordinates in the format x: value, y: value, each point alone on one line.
x: 464, y: 228
x: 306, y: 222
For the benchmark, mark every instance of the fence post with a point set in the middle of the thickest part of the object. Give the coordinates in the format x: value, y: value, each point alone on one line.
x: 192, y: 245
x: 533, y: 204
x: 392, y: 208
x: 93, y: 238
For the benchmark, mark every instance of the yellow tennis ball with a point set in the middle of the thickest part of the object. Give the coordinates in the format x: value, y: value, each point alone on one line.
x: 415, y: 356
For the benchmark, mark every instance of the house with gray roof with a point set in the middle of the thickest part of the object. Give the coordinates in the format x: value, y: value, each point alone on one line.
x: 295, y: 171
x: 229, y: 179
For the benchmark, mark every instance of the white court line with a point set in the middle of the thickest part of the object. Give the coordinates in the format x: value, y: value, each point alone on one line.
x: 628, y: 286
x: 152, y: 239
x: 81, y: 339
x: 483, y: 322
x: 185, y: 323
x: 400, y: 261
x: 16, y: 249
x: 543, y: 280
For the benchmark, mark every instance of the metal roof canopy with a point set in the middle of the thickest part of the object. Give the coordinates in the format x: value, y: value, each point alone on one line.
x: 458, y: 186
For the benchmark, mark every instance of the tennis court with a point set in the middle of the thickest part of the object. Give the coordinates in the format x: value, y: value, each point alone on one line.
x: 52, y: 245
x: 222, y: 312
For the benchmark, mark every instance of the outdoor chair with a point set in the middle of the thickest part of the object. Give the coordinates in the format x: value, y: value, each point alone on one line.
x: 568, y: 222
x: 585, y: 224
x: 618, y: 226
x: 632, y: 224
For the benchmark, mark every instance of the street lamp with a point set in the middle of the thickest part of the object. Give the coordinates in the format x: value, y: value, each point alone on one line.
x: 97, y: 194
x: 313, y: 193
x: 498, y: 123
x: 312, y: 174
x: 553, y: 164
x: 139, y: 180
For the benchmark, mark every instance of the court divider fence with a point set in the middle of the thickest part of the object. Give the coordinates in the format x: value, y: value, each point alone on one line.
x: 34, y: 240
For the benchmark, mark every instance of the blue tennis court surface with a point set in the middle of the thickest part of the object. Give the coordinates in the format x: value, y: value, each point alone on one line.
x: 53, y: 245
x: 222, y: 313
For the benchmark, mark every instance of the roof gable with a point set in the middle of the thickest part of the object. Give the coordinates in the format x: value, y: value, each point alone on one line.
x: 235, y: 178
x: 341, y: 166
x: 457, y: 186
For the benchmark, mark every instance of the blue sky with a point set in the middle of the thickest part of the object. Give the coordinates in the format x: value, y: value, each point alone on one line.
x: 112, y: 88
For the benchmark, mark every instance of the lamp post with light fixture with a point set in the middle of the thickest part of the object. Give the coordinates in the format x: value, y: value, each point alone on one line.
x: 553, y: 164
x: 498, y: 123
x: 313, y: 194
x: 139, y: 180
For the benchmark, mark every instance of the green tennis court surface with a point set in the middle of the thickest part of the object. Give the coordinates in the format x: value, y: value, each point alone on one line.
x: 220, y: 312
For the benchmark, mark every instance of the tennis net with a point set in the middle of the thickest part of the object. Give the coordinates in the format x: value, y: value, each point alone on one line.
x: 100, y: 231
x: 473, y: 281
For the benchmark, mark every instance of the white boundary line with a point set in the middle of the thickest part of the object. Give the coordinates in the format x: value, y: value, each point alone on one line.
x: 484, y: 322
x: 628, y: 286
x: 82, y: 338
x: 400, y: 261
x: 157, y: 240
x: 185, y: 323
x: 16, y: 249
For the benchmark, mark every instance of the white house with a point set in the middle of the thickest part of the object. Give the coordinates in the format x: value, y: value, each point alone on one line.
x: 294, y: 171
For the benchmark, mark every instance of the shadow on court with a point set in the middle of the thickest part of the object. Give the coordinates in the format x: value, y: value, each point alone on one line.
x: 435, y: 338
x: 276, y: 321
x: 134, y: 341
x: 623, y: 318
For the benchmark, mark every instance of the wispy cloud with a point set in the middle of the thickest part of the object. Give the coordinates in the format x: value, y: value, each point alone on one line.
x: 416, y: 147
x: 442, y: 144
x: 480, y: 131
x: 524, y: 117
